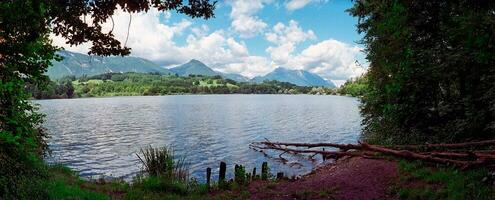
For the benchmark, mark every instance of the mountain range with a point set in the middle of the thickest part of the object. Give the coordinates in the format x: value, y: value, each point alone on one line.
x: 77, y: 64
x: 196, y: 67
x: 296, y: 77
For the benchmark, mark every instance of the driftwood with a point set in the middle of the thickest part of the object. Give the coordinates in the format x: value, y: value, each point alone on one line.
x: 344, y: 147
x: 451, y: 154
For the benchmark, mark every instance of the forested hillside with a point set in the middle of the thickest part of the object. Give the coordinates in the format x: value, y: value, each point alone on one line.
x: 134, y: 84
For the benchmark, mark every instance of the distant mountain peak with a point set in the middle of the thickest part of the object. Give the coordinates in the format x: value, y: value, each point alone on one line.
x: 78, y: 64
x: 195, y: 67
x: 297, y: 77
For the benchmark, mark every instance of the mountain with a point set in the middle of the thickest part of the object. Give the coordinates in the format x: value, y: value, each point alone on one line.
x: 297, y: 77
x: 235, y: 77
x: 196, y: 67
x: 81, y: 64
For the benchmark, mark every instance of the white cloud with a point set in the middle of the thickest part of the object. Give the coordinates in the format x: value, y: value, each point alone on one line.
x: 330, y: 59
x: 150, y: 38
x: 244, y: 20
x: 292, y: 5
x: 286, y: 37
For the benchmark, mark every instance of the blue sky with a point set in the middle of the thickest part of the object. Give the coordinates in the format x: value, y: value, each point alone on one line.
x: 250, y: 37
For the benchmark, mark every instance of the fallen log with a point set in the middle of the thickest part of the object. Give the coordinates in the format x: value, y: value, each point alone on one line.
x: 412, y: 155
x: 467, y: 155
x: 328, y: 154
x: 446, y: 145
x: 344, y: 147
x: 460, y: 159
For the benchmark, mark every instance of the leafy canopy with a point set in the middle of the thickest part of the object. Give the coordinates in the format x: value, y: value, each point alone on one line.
x: 432, y: 74
x: 25, y: 55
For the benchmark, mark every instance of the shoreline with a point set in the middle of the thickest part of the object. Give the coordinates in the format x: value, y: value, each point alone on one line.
x: 194, y: 94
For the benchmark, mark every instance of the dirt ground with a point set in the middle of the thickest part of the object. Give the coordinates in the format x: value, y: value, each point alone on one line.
x: 350, y: 178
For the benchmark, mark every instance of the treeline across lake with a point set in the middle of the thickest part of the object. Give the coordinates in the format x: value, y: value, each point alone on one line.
x: 147, y: 84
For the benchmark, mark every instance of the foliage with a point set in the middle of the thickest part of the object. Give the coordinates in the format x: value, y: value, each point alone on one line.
x: 431, y: 75
x: 355, y: 87
x: 66, y: 184
x: 26, y: 53
x: 421, y: 182
x: 24, y: 56
x: 240, y: 175
x: 59, y: 89
x: 133, y: 84
x: 66, y: 19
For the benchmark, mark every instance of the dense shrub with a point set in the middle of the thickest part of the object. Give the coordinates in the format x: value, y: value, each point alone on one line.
x: 432, y: 74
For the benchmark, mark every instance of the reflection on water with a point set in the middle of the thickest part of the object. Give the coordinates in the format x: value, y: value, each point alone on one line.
x: 100, y: 136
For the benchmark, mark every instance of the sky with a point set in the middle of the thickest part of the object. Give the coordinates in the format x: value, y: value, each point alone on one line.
x: 249, y: 37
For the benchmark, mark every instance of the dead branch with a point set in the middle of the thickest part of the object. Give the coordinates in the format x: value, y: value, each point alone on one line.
x: 450, y: 146
x: 329, y: 154
x: 451, y: 156
x: 412, y: 155
x: 344, y: 147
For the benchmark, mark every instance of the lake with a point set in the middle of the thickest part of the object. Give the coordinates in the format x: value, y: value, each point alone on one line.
x: 101, y: 136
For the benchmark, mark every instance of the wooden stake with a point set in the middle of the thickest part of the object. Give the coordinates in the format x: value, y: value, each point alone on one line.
x: 223, y: 169
x: 208, y: 176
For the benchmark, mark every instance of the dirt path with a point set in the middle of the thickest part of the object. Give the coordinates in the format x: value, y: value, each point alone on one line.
x: 353, y: 178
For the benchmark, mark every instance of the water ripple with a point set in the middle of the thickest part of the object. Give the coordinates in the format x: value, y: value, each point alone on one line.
x: 100, y: 136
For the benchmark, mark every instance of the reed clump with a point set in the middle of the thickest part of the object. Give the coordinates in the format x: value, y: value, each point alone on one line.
x: 162, y: 162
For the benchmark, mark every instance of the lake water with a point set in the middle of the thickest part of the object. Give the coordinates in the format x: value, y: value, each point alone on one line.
x: 101, y: 136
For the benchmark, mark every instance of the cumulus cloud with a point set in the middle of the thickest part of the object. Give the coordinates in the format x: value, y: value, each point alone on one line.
x: 331, y: 59
x: 244, y: 20
x: 292, y: 5
x: 150, y: 38
x: 286, y: 37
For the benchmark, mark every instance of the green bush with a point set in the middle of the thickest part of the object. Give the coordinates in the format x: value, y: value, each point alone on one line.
x: 431, y: 76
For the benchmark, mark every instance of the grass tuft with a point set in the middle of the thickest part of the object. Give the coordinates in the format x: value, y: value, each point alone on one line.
x: 162, y: 162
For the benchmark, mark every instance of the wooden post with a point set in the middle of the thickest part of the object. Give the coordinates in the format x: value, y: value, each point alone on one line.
x: 323, y: 155
x: 254, y: 173
x: 223, y: 168
x: 236, y: 168
x: 208, y: 176
x: 280, y: 175
x: 264, y: 171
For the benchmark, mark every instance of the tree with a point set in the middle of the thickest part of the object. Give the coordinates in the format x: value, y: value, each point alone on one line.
x: 26, y: 53
x: 432, y: 75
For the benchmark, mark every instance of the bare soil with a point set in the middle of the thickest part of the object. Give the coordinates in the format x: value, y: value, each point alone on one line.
x: 349, y: 178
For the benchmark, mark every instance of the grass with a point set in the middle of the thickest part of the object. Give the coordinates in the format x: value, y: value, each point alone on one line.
x: 164, y: 176
x: 162, y: 162
x: 65, y: 184
x: 210, y: 83
x: 419, y: 181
